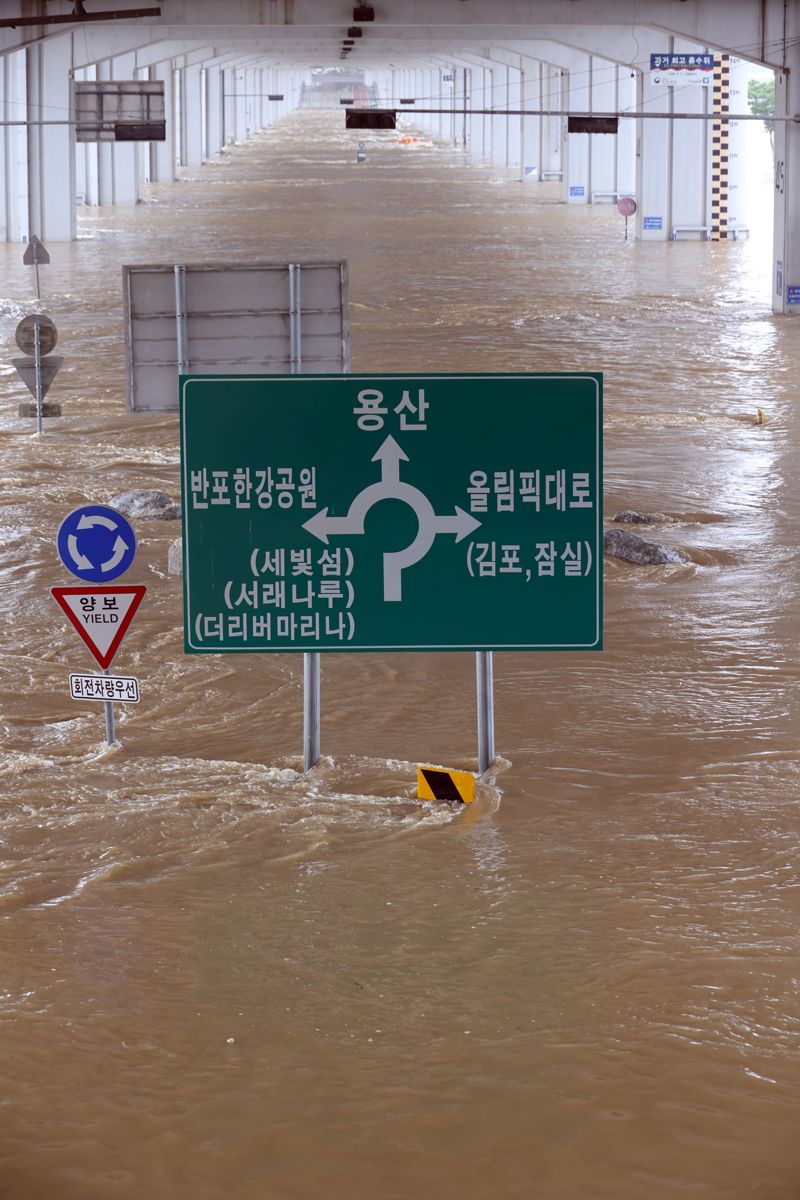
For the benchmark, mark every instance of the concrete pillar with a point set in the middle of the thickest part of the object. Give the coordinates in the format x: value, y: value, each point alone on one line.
x: 531, y: 127
x: 214, y: 132
x: 125, y: 175
x: 162, y: 154
x: 13, y: 151
x: 578, y: 153
x: 602, y: 147
x: 786, y: 244
x: 192, y: 97
x: 229, y: 105
x: 553, y: 138
x: 513, y: 124
x: 239, y: 111
x: 627, y: 86
x: 51, y: 149
x: 673, y: 168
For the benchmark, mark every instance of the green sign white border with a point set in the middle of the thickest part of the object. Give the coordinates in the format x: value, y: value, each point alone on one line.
x: 377, y: 378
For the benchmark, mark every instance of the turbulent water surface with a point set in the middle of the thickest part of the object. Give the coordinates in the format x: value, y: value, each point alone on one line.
x: 222, y: 979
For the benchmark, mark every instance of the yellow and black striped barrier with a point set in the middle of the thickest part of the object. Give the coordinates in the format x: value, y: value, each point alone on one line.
x: 436, y: 783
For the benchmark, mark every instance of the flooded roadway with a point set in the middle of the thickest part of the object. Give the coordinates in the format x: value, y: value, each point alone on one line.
x: 219, y: 979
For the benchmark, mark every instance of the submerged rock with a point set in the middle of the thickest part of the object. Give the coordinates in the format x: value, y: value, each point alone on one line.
x: 629, y: 516
x: 147, y: 504
x: 175, y: 557
x: 634, y: 549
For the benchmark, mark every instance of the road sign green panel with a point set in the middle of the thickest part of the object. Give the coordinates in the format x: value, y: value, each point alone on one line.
x: 392, y: 512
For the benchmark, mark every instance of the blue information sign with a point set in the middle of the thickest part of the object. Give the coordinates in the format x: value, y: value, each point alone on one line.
x: 652, y: 222
x: 95, y: 543
x: 792, y: 295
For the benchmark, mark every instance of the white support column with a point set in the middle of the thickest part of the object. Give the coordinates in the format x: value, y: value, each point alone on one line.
x: 214, y: 136
x: 627, y: 84
x: 577, y: 178
x: 602, y: 147
x: 240, y: 103
x: 125, y: 175
x: 689, y: 144
x: 531, y: 129
x: 654, y: 163
x: 162, y: 154
x: 674, y: 157
x: 786, y: 243
x: 51, y: 148
x: 13, y: 151
x: 553, y: 138
x: 192, y: 94
x: 513, y: 124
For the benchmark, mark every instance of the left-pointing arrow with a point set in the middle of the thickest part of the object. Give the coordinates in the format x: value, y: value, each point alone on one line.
x: 88, y: 521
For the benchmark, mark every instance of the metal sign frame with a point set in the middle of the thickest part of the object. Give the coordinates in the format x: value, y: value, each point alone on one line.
x: 295, y: 317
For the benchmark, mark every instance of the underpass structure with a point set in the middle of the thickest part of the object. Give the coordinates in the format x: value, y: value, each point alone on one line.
x: 499, y: 78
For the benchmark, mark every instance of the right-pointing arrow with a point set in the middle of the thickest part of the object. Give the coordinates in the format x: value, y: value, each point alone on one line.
x: 461, y: 523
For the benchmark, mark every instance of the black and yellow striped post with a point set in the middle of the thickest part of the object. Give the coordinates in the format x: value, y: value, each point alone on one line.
x: 437, y: 783
x: 719, y: 148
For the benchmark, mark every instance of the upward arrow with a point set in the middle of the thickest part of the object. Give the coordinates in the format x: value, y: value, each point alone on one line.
x: 390, y: 455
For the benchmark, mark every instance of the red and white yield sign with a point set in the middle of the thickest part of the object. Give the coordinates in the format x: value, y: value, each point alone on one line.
x: 101, y: 615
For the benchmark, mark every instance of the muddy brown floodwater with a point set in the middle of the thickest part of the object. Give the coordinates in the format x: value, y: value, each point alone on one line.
x: 220, y: 979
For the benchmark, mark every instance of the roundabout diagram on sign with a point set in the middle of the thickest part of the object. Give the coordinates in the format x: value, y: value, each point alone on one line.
x: 96, y: 543
x: 392, y: 487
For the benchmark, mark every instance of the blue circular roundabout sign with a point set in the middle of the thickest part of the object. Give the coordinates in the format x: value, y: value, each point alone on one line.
x: 96, y: 543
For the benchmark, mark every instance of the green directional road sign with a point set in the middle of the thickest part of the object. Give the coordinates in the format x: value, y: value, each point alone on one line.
x: 392, y: 512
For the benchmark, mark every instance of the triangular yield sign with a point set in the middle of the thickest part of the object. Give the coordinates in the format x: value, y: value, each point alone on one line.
x: 49, y: 369
x: 101, y: 615
x: 35, y: 252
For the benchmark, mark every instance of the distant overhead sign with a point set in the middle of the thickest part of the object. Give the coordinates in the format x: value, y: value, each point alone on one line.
x: 374, y: 118
x: 592, y: 124
x: 96, y: 543
x: 230, y: 318
x: 678, y: 70
x: 119, y: 110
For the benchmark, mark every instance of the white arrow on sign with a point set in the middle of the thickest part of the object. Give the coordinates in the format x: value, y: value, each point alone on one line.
x: 81, y: 561
x: 391, y: 487
x: 88, y: 521
x: 120, y: 549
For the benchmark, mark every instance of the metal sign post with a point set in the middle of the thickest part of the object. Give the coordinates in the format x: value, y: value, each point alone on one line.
x: 485, y: 682
x: 108, y: 708
x: 37, y: 356
x: 35, y: 253
x: 311, y: 662
x: 392, y: 512
x: 626, y: 206
x: 37, y: 335
x: 97, y: 544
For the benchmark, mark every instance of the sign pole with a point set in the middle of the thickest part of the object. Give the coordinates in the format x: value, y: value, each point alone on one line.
x: 311, y: 706
x: 37, y: 359
x: 485, y: 674
x: 311, y: 662
x: 108, y: 707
